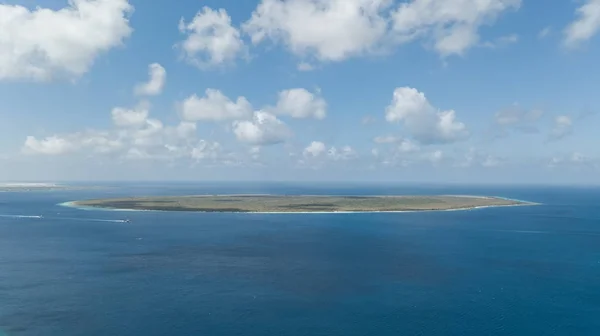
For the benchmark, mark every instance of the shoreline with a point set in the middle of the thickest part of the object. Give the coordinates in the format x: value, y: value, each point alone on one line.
x: 74, y: 205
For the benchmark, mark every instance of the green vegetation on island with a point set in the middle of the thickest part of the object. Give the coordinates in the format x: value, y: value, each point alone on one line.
x: 288, y: 203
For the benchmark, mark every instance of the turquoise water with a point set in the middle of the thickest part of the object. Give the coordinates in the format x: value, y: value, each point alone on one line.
x: 495, y: 271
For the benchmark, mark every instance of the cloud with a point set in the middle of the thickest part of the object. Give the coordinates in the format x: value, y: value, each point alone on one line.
x: 215, y: 106
x: 425, y: 123
x: 52, y: 145
x: 152, y: 141
x: 149, y: 135
x: 185, y: 129
x: 136, y: 137
x: 491, y: 161
x: 515, y: 118
x: 563, y: 126
x: 366, y: 120
x: 401, y: 144
x: 345, y: 153
x: 303, y: 66
x: 92, y: 141
x: 206, y: 150
x: 585, y: 26
x: 435, y: 157
x: 44, y: 44
x: 335, y: 30
x: 572, y: 160
x: 211, y: 40
x: 254, y: 152
x: 544, y: 32
x: 386, y: 139
x: 316, y: 154
x: 407, y: 146
x: 451, y: 25
x: 328, y: 30
x: 123, y: 117
x: 515, y: 115
x: 315, y: 149
x: 300, y: 103
x: 508, y: 39
x: 395, y: 157
x: 196, y: 150
x: 502, y: 41
x: 264, y: 129
x: 474, y: 158
x: 399, y: 152
x: 400, y: 157
x: 156, y: 82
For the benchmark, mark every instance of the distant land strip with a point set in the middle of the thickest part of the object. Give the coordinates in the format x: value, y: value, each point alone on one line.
x: 299, y: 203
x: 25, y: 187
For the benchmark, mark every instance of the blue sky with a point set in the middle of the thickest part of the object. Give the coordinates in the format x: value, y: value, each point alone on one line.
x: 420, y: 90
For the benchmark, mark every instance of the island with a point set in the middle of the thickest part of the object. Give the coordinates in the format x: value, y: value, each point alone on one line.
x: 36, y: 186
x: 298, y: 203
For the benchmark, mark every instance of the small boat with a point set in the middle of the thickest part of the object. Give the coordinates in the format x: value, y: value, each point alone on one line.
x: 127, y: 220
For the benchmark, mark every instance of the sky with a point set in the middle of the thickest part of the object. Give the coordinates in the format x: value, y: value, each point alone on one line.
x: 458, y: 91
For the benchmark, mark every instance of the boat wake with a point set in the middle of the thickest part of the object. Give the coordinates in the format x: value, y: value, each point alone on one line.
x: 92, y: 220
x: 21, y: 216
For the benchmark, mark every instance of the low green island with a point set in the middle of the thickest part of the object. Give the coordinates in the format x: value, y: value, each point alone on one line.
x: 299, y: 204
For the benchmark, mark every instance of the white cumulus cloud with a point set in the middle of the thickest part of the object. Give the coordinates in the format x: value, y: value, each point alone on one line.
x: 315, y: 149
x: 206, y: 150
x: 93, y: 141
x: 124, y: 117
x: 452, y: 25
x: 407, y: 146
x: 300, y: 103
x: 585, y: 26
x: 53, y: 145
x: 344, y: 153
x: 43, y: 44
x: 329, y: 30
x: 402, y: 145
x: 215, y: 106
x: 135, y: 136
x: 563, y: 126
x: 211, y: 40
x: 155, y: 83
x: 425, y: 123
x: 316, y: 154
x: 263, y: 129
x: 335, y: 30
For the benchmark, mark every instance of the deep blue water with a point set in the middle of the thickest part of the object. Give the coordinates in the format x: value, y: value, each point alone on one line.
x: 496, y: 271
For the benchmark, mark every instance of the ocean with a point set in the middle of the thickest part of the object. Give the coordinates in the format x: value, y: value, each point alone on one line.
x: 532, y: 270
